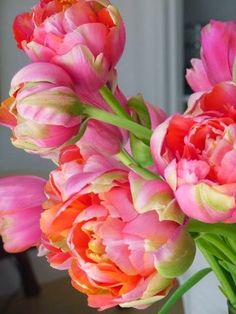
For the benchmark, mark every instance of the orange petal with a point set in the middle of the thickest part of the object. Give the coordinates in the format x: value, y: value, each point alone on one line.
x: 7, y: 118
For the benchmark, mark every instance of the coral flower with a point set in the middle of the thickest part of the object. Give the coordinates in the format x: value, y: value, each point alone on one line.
x: 21, y: 199
x: 86, y: 38
x: 196, y: 154
x: 104, y: 224
x: 218, y: 56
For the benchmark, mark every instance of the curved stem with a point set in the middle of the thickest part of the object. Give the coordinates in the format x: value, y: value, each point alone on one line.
x: 135, y: 128
x: 114, y: 104
x: 187, y: 285
x: 128, y: 161
x: 219, y: 272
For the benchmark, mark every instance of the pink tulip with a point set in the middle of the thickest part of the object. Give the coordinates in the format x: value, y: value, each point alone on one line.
x: 43, y: 109
x: 218, y: 56
x: 110, y: 223
x: 21, y: 199
x: 195, y: 153
x: 85, y: 37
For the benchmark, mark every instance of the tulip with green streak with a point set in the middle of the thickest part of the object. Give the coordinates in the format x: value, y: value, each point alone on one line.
x: 40, y: 110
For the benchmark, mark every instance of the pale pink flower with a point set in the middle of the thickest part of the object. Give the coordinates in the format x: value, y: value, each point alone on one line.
x: 21, y: 199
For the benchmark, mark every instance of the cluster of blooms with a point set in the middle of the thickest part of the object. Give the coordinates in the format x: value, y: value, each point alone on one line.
x: 115, y: 211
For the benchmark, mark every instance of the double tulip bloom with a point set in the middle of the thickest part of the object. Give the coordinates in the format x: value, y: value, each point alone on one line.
x: 195, y: 152
x: 42, y: 108
x: 86, y: 38
x: 117, y: 252
x: 44, y: 113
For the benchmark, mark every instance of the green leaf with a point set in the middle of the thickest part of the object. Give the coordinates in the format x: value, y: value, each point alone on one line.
x: 193, y: 280
x: 214, y: 251
x: 230, y: 268
x: 140, y: 151
x: 137, y: 104
x: 226, y: 230
x: 223, y: 276
x: 231, y: 243
x: 220, y: 244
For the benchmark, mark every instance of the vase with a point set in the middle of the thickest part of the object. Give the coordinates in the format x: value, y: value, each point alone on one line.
x: 231, y: 309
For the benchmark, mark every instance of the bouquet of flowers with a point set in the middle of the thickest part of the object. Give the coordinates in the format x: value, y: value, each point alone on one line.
x: 133, y: 191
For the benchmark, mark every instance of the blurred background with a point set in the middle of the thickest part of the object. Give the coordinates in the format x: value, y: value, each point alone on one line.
x: 162, y: 37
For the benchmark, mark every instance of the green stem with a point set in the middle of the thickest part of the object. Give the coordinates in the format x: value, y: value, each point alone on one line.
x: 128, y: 161
x: 135, y: 128
x: 219, y: 272
x: 192, y: 281
x: 114, y: 104
x: 226, y: 230
x: 222, y: 246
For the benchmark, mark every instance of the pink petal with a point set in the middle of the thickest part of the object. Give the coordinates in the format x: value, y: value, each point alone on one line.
x: 102, y: 301
x: 93, y: 36
x: 41, y: 72
x: 113, y: 199
x: 215, y: 47
x: 197, y: 76
x: 101, y: 137
x: 115, y: 43
x: 194, y: 206
x: 23, y: 28
x: 227, y: 172
x: 78, y: 14
x: 148, y: 226
x: 119, y: 254
x: 157, y: 143
x: 157, y: 115
x: 20, y: 192
x: 44, y: 136
x: 37, y: 52
x: 53, y: 106
x: 21, y: 201
x: 89, y: 72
